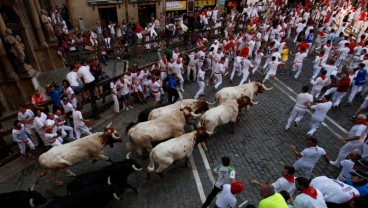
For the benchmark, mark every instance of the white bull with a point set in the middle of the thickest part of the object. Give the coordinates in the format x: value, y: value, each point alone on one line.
x: 89, y: 147
x: 240, y: 91
x: 160, y: 129
x: 224, y: 113
x: 197, y: 106
x: 165, y: 153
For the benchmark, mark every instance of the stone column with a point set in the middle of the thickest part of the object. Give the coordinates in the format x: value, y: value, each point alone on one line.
x: 52, y: 3
x: 5, y: 64
x: 36, y: 23
x: 38, y: 7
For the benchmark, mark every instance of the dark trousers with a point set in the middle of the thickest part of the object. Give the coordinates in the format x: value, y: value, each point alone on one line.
x: 173, y: 93
x: 211, y: 196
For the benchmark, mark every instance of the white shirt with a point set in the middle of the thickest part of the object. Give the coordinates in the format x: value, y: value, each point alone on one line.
x: 273, y: 67
x: 358, y: 130
x: 177, y: 68
x: 39, y: 122
x: 68, y: 107
x: 283, y: 184
x: 300, y: 26
x: 347, y: 167
x: 124, y: 88
x: 201, y: 74
x: 319, y: 83
x: 299, y: 57
x: 50, y: 122
x: 321, y: 109
x: 311, y: 155
x: 305, y: 201
x: 72, y: 77
x: 26, y: 115
x: 343, y: 52
x: 219, y: 69
x: 113, y: 88
x: 303, y: 98
x: 154, y: 86
x: 77, y: 119
x: 329, y: 69
x: 246, y: 65
x: 318, y: 59
x: 226, y: 198
x: 83, y: 72
x: 334, y: 191
x: 192, y: 61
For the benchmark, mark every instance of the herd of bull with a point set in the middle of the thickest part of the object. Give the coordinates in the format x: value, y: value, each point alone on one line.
x: 163, y: 124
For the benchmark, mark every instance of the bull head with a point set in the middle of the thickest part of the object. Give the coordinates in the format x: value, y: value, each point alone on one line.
x: 201, y: 106
x: 202, y: 135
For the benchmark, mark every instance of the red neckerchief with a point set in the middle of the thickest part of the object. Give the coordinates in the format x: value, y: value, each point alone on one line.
x: 328, y: 45
x: 153, y: 81
x: 128, y: 73
x: 321, y: 55
x: 310, y: 191
x: 290, y: 178
x: 164, y: 61
x: 323, y: 77
x: 350, y: 73
x: 365, y: 123
x: 48, y: 131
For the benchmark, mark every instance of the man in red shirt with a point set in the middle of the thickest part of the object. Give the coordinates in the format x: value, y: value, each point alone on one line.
x: 244, y: 52
x: 342, y: 88
x: 362, y: 16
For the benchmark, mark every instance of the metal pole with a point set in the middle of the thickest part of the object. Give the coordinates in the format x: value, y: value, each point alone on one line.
x: 126, y: 11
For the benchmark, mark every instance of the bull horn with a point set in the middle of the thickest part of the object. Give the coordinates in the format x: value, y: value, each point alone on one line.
x: 115, y: 137
x: 116, y: 196
x: 265, y: 88
x: 254, y: 103
x: 31, y: 202
x: 109, y: 125
x: 195, y: 115
x: 210, y: 133
x: 109, y: 180
x: 136, y: 169
x: 210, y: 103
x: 127, y: 156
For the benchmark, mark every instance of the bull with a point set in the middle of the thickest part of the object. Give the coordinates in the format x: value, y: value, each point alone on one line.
x: 248, y: 89
x: 198, y: 106
x: 116, y: 173
x: 165, y: 153
x: 160, y: 129
x: 22, y: 199
x: 94, y: 197
x: 227, y: 112
x: 89, y: 147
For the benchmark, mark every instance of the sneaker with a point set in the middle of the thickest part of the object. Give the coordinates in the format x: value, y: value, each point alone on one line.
x: 286, y: 129
x: 353, y: 118
x: 131, y: 107
x: 127, y: 109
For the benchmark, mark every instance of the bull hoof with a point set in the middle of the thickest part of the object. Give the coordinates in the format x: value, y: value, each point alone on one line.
x: 59, y: 183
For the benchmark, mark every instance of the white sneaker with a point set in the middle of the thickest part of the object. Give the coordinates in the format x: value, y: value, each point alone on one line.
x: 334, y: 163
x: 131, y: 107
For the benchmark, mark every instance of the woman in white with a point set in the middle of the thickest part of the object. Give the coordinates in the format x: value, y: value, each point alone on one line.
x: 114, y: 94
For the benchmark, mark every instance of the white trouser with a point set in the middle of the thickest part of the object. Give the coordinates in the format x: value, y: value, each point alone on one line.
x: 192, y: 69
x: 236, y: 67
x: 316, y: 122
x: 68, y: 129
x: 139, y: 35
x: 354, y: 90
x: 218, y: 78
x: 269, y: 75
x: 41, y: 133
x: 316, y: 72
x: 365, y: 89
x: 308, y: 168
x: 297, y: 67
x: 32, y: 133
x: 257, y: 63
x: 315, y: 91
x: 346, y: 149
x: 245, y: 77
x: 296, y: 36
x: 116, y: 103
x: 163, y: 75
x: 58, y: 142
x: 296, y: 114
x: 79, y: 129
x: 337, y: 97
x: 181, y: 81
x: 332, y: 90
x: 22, y: 145
x: 201, y: 89
x: 107, y: 41
x: 200, y: 64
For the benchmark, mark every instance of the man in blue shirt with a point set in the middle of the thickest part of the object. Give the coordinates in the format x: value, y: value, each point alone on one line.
x: 54, y: 91
x: 172, y: 88
x: 358, y: 82
x: 359, y: 180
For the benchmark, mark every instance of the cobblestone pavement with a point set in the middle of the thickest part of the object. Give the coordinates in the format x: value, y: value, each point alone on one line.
x: 258, y: 150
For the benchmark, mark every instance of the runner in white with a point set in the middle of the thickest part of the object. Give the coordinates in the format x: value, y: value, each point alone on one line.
x: 320, y: 111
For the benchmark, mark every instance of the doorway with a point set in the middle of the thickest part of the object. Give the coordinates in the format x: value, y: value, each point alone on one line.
x: 108, y: 14
x: 145, y: 13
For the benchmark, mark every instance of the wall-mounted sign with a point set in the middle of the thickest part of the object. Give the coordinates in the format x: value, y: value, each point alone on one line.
x: 203, y: 3
x: 176, y: 5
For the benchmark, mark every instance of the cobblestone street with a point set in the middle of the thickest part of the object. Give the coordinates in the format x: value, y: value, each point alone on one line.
x: 258, y: 150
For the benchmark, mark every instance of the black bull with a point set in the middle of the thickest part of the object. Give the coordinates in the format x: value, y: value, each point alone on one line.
x: 21, y: 199
x: 93, y: 197
x: 118, y: 173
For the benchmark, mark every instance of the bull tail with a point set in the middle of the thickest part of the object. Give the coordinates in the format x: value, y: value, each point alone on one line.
x: 130, y: 126
x: 151, y: 166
